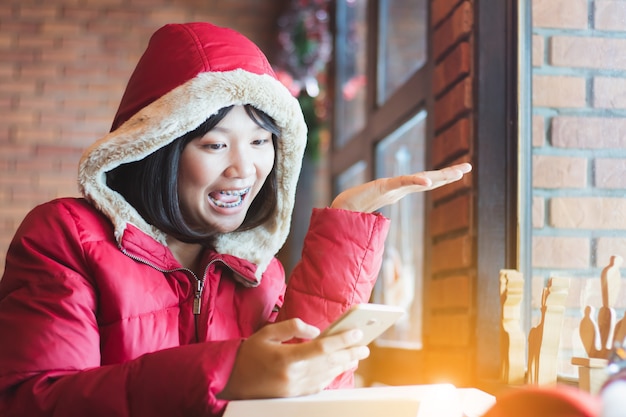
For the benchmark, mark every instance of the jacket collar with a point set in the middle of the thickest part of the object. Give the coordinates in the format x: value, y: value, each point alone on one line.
x: 137, y: 245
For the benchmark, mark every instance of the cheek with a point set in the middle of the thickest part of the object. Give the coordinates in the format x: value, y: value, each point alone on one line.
x: 268, y: 164
x: 194, y: 171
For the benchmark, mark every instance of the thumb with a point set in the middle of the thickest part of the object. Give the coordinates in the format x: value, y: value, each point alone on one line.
x: 290, y: 329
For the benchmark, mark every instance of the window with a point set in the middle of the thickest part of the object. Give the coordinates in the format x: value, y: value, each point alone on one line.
x: 381, y: 127
x: 578, y: 156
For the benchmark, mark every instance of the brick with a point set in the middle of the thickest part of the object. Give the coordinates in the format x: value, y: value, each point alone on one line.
x: 593, y: 213
x: 17, y: 117
x: 453, y: 141
x: 7, y: 104
x: 609, y: 92
x: 19, y: 55
x: 583, y: 132
x: 450, y: 292
x: 59, y: 55
x: 29, y: 135
x: 455, y: 103
x: 440, y: 9
x: 538, y: 212
x: 559, y: 172
x: 608, y: 246
x: 451, y: 216
x: 539, y: 131
x: 588, y: 52
x: 559, y: 91
x: 609, y: 15
x: 76, y: 13
x: 7, y: 71
x: 29, y: 196
x: 609, y: 173
x: 538, y: 50
x: 14, y: 151
x: 78, y: 138
x: 58, y: 28
x: 456, y: 27
x: 451, y: 254
x: 38, y: 12
x: 20, y: 26
x: 7, y: 40
x: 34, y: 72
x: 560, y: 14
x: 560, y: 252
x: 20, y: 87
x: 454, y: 67
x: 87, y: 42
x: 36, y: 102
x: 61, y: 89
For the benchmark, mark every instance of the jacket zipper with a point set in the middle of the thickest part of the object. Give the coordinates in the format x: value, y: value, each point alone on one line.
x: 197, y: 298
x: 197, y: 301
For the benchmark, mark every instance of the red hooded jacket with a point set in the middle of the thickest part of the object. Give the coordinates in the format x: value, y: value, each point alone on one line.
x: 96, y: 314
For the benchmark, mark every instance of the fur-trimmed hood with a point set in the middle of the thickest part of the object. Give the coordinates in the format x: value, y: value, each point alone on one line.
x: 187, y: 73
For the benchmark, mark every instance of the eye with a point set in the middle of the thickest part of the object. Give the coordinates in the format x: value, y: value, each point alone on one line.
x: 262, y: 141
x: 213, y: 146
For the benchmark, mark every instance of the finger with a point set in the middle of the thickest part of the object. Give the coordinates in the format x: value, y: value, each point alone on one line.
x: 422, y: 181
x: 290, y: 329
x: 339, y: 341
x: 346, y: 359
x: 465, y: 167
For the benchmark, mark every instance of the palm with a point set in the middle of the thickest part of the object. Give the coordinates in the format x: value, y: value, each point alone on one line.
x: 376, y: 194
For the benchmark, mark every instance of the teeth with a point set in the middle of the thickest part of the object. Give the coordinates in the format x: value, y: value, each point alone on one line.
x: 237, y: 193
x: 227, y: 205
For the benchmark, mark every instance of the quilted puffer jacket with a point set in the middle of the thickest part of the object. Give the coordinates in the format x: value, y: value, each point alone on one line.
x: 97, y: 317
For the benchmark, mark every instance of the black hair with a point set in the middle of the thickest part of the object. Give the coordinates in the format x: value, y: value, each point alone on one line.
x: 150, y: 185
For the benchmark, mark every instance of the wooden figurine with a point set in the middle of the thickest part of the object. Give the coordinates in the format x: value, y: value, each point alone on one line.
x: 543, y: 339
x: 513, y: 340
x: 610, y: 280
x: 598, y: 335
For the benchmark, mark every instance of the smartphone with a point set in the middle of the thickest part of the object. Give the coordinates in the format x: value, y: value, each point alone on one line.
x: 372, y: 319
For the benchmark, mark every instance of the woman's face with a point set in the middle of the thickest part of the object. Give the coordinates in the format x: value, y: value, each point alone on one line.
x: 221, y: 172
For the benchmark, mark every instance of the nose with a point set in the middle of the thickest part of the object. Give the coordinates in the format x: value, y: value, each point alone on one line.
x: 241, y: 164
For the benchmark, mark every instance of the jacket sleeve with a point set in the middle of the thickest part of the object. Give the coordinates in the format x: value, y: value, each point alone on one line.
x: 50, y: 350
x: 341, y: 258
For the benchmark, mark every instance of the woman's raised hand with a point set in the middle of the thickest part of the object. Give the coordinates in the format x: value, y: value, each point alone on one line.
x: 376, y: 194
x: 266, y: 367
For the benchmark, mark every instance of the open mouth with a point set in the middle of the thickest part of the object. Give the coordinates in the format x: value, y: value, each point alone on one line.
x: 228, y: 198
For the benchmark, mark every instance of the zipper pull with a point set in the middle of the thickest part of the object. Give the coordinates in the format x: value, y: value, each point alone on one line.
x: 197, y: 300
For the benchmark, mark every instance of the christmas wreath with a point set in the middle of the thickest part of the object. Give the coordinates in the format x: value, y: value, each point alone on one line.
x: 305, y: 47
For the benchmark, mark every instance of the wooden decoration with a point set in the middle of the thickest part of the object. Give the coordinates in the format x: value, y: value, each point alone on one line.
x: 513, y: 340
x: 543, y: 339
x: 598, y: 335
x: 590, y: 333
x: 610, y: 280
x: 591, y: 373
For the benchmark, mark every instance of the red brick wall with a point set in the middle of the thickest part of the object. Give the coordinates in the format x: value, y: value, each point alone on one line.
x: 579, y: 152
x: 448, y: 317
x: 63, y: 68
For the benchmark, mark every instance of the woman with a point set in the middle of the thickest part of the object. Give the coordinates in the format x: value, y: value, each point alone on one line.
x: 151, y: 296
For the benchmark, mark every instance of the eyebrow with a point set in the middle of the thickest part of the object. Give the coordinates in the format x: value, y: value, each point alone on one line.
x: 225, y: 130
